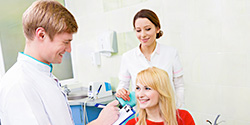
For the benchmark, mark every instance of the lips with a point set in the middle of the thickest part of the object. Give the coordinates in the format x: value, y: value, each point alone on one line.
x: 60, y: 54
x: 143, y: 100
x: 144, y: 40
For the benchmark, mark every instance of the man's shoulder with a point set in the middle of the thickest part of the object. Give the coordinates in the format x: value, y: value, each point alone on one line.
x: 16, y: 74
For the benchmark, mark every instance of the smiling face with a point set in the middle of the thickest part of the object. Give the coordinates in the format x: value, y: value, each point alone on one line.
x: 53, y: 50
x: 146, y: 31
x: 147, y: 97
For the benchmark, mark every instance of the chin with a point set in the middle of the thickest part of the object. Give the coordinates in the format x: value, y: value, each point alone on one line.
x: 57, y: 62
x: 143, y: 107
x: 146, y: 44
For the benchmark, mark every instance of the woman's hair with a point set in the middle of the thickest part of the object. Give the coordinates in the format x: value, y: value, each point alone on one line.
x: 150, y: 15
x: 158, y: 80
x: 50, y: 15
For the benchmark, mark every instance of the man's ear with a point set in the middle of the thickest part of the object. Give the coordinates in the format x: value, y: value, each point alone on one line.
x: 40, y: 33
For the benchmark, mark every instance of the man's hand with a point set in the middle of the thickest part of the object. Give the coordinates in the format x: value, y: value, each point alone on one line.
x: 108, y: 115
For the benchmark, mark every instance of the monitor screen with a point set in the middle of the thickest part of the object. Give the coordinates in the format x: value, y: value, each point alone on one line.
x: 65, y: 71
x: 8, y: 55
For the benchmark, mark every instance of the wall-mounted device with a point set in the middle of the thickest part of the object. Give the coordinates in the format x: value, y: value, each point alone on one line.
x: 107, y: 42
x: 99, y: 90
x: 96, y: 58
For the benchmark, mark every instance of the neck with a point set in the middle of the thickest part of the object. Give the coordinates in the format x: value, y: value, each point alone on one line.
x: 148, y: 50
x: 153, y: 114
x: 32, y: 49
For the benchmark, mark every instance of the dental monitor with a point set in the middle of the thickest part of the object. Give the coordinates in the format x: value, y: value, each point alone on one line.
x: 8, y: 55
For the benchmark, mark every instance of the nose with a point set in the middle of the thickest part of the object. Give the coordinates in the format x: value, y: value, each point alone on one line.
x: 140, y: 94
x: 68, y: 48
x: 143, y: 33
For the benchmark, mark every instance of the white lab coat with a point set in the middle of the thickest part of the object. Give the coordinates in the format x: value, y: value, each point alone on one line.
x: 163, y: 57
x: 30, y: 95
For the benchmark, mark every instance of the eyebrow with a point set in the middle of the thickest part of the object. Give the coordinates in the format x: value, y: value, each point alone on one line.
x: 68, y: 40
x: 144, y: 26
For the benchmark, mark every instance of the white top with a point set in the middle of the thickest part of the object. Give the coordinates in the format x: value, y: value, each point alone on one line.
x: 31, y: 95
x: 163, y: 57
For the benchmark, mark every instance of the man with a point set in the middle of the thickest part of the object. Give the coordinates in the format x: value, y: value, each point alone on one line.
x: 29, y: 93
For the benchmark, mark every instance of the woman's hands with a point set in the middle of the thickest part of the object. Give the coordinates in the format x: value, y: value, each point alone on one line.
x: 123, y: 93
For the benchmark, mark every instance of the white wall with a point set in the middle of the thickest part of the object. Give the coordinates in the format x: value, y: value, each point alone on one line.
x: 212, y: 37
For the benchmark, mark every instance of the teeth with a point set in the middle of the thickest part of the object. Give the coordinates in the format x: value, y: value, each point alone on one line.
x: 144, y: 100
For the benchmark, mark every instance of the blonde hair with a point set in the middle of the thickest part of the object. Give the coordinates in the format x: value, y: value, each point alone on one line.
x: 50, y: 15
x: 158, y: 80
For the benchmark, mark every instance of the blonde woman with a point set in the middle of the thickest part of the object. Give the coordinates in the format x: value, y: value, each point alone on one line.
x: 156, y: 101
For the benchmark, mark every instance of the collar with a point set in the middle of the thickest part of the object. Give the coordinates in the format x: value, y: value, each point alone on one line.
x: 157, y: 49
x: 33, y: 61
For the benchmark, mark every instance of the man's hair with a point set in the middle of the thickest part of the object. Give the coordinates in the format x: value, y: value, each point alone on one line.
x: 50, y: 15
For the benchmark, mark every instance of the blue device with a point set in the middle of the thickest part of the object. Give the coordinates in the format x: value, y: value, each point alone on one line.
x: 131, y: 102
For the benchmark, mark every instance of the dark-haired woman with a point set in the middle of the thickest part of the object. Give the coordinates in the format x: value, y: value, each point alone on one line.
x: 150, y: 53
